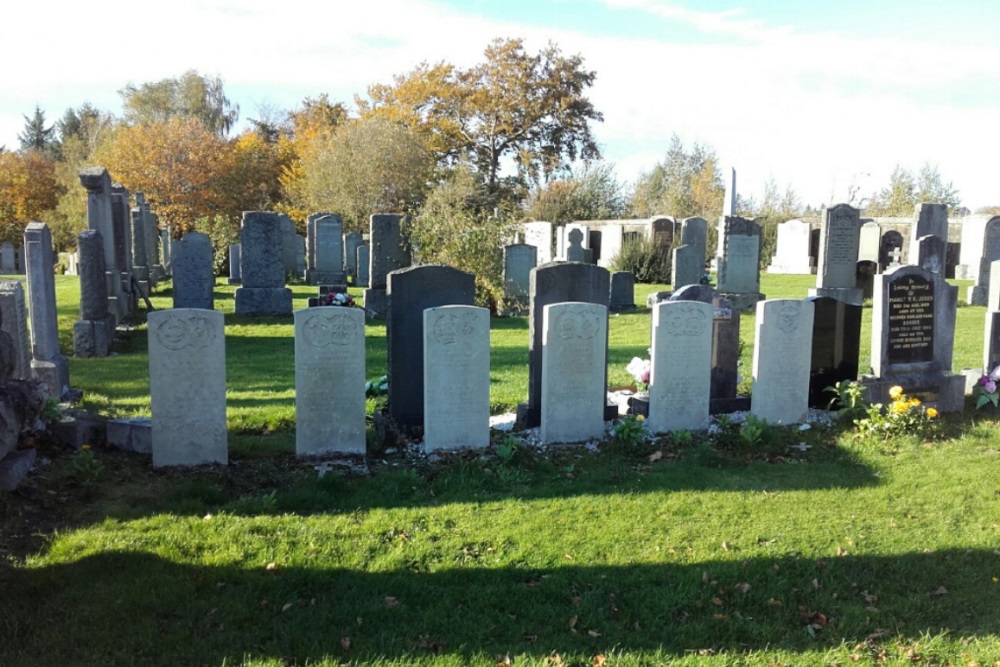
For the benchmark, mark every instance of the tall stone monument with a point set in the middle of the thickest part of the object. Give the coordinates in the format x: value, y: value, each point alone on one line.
x: 47, y: 363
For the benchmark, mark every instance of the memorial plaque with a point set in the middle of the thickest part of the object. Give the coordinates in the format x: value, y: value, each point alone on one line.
x: 911, y: 320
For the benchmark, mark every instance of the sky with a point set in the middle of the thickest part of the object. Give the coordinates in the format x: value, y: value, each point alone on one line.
x: 825, y: 97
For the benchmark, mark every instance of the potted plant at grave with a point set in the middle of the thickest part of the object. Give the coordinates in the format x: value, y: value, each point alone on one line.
x: 987, y: 391
x: 337, y: 299
x: 639, y: 370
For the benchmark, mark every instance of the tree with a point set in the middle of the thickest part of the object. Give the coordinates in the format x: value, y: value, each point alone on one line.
x: 904, y: 192
x: 189, y: 96
x: 28, y: 191
x: 366, y: 166
x: 592, y: 193
x: 530, y: 108
x: 180, y: 165
x: 36, y: 136
x: 452, y: 228
x: 685, y: 184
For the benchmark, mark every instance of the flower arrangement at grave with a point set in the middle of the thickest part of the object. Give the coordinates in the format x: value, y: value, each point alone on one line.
x: 639, y: 370
x: 337, y: 299
x: 905, y: 414
x: 987, y: 390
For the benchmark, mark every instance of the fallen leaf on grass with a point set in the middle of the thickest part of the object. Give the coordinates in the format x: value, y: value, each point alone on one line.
x: 593, y: 633
x: 742, y: 588
x: 941, y: 590
x: 286, y: 607
x: 572, y: 622
x: 815, y: 584
x: 600, y: 661
x: 725, y: 545
x: 555, y: 660
x: 272, y: 567
x: 391, y: 602
x: 841, y: 551
x: 717, y: 602
x: 869, y: 598
x: 775, y: 603
x: 504, y: 661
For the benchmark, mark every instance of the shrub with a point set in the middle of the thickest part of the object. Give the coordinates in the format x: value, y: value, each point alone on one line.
x: 645, y: 258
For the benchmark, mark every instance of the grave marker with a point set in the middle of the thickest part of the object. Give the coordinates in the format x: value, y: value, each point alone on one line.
x: 680, y: 379
x: 840, y: 236
x: 47, y: 363
x: 781, y: 361
x: 262, y: 268
x: 836, y: 347
x: 194, y: 274
x: 792, y: 249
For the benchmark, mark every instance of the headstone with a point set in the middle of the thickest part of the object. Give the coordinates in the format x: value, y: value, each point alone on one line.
x: 166, y: 249
x: 234, y: 264
x: 725, y: 377
x: 157, y: 271
x: 187, y: 387
x: 913, y: 329
x: 351, y: 242
x: 8, y: 262
x: 93, y: 332
x: 791, y: 254
x: 560, y: 239
x: 993, y: 292
x: 836, y: 347
x: 694, y: 233
x: 329, y: 381
x: 781, y: 361
x: 890, y: 250
x: 121, y: 222
x: 518, y: 261
x: 97, y: 182
x: 262, y: 269
x: 868, y: 242
x: 575, y: 248
x: 19, y: 259
x: 687, y: 266
x: 978, y: 294
x: 972, y: 247
x: 865, y: 277
x: 300, y: 255
x: 840, y: 234
x: 328, y: 235
x: 739, y: 268
x: 928, y: 220
x: 47, y: 363
x: 14, y: 322
x: 622, y: 291
x: 610, y: 246
x: 573, y: 392
x: 680, y: 379
x: 194, y: 275
x: 364, y: 262
x: 410, y: 292
x: 289, y: 245
x: 557, y: 282
x: 930, y: 253
x: 456, y: 387
x: 311, y: 237
x: 539, y: 234
x: 140, y: 266
x: 991, y: 342
x: 388, y: 252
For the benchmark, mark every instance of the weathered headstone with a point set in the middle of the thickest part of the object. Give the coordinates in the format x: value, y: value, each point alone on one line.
x: 234, y: 264
x: 166, y: 249
x: 97, y: 182
x: 456, y: 387
x: 311, y: 237
x: 890, y: 250
x: 612, y: 237
x: 781, y: 360
x: 93, y: 332
x: 518, y: 261
x: 194, y: 275
x: 865, y: 277
x: 791, y: 254
x: 364, y: 263
x: 187, y: 387
x: 121, y: 222
x: 351, y: 242
x: 687, y: 266
x: 573, y: 393
x: 329, y: 381
x: 47, y: 363
x: 840, y: 236
x: 328, y: 236
x: 539, y: 234
x: 622, y: 291
x: 557, y: 282
x: 140, y: 266
x: 978, y: 294
x: 868, y: 242
x: 410, y: 292
x: 694, y: 233
x: 928, y: 220
x: 991, y: 342
x: 388, y: 251
x: 289, y: 245
x: 836, y: 347
x: 262, y: 268
x: 993, y: 293
x: 680, y: 379
x: 930, y: 253
x: 739, y: 268
x: 575, y: 247
x: 913, y: 329
x: 14, y: 321
x: 8, y: 262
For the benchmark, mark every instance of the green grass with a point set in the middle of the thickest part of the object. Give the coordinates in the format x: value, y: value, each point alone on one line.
x: 687, y: 551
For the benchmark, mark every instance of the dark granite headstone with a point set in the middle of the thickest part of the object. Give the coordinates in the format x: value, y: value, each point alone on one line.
x: 410, y: 292
x: 556, y: 282
x: 930, y: 253
x: 120, y: 222
x: 836, y: 345
x: 910, y: 329
x: 622, y: 291
x: 991, y: 347
x: 865, y: 276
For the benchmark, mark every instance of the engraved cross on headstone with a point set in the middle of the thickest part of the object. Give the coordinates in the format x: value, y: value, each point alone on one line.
x: 895, y: 254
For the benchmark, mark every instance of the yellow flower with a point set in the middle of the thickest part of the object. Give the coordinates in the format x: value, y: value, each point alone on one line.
x: 899, y: 407
x: 85, y: 448
x: 895, y: 392
x: 914, y: 402
x: 932, y: 413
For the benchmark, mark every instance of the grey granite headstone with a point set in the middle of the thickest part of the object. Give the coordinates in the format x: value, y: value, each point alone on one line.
x: 782, y: 360
x: 978, y: 294
x: 991, y: 342
x: 140, y: 266
x: 836, y: 347
x: 388, y: 251
x: 363, y: 261
x: 622, y: 291
x: 351, y: 242
x: 573, y: 395
x: 694, y: 233
x: 840, y: 236
x: 556, y: 282
x: 194, y: 275
x: 311, y: 237
x: 680, y: 379
x: 791, y: 254
x: 93, y: 332
x: 47, y: 363
x: 328, y: 234
x: 187, y: 387
x: 329, y: 381
x: 739, y: 268
x: 14, y: 321
x: 410, y: 292
x: 99, y: 216
x: 234, y: 264
x: 8, y: 263
x: 518, y: 261
x: 930, y: 253
x: 928, y: 220
x: 262, y: 268
x: 456, y: 377
x: 289, y: 245
x: 687, y: 267
x: 993, y: 292
x: 121, y: 223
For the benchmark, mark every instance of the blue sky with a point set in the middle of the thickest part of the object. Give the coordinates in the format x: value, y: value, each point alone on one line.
x: 823, y: 96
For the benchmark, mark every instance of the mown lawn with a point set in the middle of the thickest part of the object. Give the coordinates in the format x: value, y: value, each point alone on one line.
x: 805, y: 547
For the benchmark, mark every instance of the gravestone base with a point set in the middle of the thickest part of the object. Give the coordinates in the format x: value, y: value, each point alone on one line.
x: 527, y: 418
x: 944, y: 391
x: 376, y: 303
x: 317, y: 277
x: 977, y: 295
x: 92, y: 338
x: 263, y: 301
x: 852, y: 295
x: 234, y: 281
x: 54, y: 374
x: 134, y: 434
x: 725, y: 406
x: 743, y: 301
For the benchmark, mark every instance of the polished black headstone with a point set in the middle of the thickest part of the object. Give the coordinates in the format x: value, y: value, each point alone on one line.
x: 836, y: 346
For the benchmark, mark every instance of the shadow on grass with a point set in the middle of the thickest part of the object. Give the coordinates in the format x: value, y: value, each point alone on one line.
x: 133, y: 607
